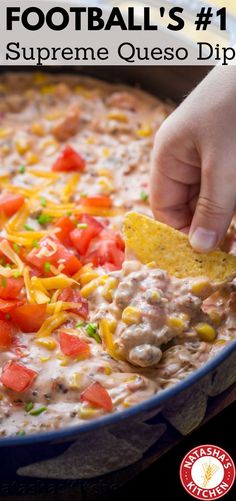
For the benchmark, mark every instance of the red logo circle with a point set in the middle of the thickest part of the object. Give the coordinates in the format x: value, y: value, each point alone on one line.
x: 207, y: 472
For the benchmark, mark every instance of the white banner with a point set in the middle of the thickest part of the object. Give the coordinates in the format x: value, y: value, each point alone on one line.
x: 96, y: 33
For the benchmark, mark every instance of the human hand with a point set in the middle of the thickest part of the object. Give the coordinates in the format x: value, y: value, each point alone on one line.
x: 193, y: 175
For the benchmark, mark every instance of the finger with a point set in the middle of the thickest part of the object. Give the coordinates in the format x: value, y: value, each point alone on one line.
x: 214, y: 210
x: 169, y: 202
x: 171, y: 191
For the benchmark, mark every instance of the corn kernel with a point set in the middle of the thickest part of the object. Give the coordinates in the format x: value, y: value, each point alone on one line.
x: 4, y: 132
x: 131, y: 379
x: 107, y: 371
x: 29, y: 94
x: 48, y: 89
x: 38, y: 129
x: 5, y: 149
x: 206, y: 332
x: 145, y: 131
x: 109, y: 288
x: 44, y: 359
x: 31, y: 158
x: 106, y: 186
x: 39, y: 78
x: 155, y: 296
x: 54, y: 115
x: 118, y: 116
x: 131, y: 315
x: 22, y: 146
x: 75, y: 381
x: 220, y: 341
x: 48, y: 343
x: 185, y: 317
x: 90, y: 140
x: 81, y: 89
x: 215, y: 317
x: 105, y: 172
x: 126, y: 404
x: 200, y: 287
x: 106, y: 152
x: 176, y: 323
x: 64, y: 360
x: 88, y: 412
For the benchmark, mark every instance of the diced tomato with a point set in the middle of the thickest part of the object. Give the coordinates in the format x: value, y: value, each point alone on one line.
x: 64, y: 227
x: 119, y: 242
x: 111, y: 267
x: 7, y: 305
x: 6, y: 334
x: 114, y: 236
x: 69, y: 160
x: 98, y: 201
x: 81, y: 238
x: 106, y: 252
x: 10, y: 203
x: 17, y: 377
x: 109, y: 250
x: 73, y: 346
x: 54, y: 252
x: 29, y: 317
x: 10, y: 287
x: 98, y: 396
x: 69, y: 295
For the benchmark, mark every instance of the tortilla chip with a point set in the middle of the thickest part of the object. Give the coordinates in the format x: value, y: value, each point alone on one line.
x: 150, y: 240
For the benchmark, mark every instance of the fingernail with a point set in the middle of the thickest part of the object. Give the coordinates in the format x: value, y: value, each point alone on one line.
x: 203, y: 240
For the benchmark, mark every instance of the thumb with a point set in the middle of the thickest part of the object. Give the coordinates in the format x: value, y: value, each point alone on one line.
x: 214, y: 210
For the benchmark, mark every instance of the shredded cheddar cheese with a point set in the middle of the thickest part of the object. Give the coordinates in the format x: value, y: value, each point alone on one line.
x: 52, y: 323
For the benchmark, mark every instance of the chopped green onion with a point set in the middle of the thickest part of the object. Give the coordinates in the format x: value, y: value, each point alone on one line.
x: 29, y: 406
x: 91, y: 330
x: 68, y: 213
x: 21, y: 433
x: 4, y: 282
x: 16, y: 247
x: 82, y: 226
x: 47, y: 266
x: 3, y: 261
x: 38, y: 411
x: 83, y: 195
x: 17, y: 274
x: 43, y: 201
x: 35, y: 244
x: 144, y: 196
x: 7, y: 316
x: 79, y: 324
x: 28, y: 228
x: 44, y: 219
x: 22, y: 169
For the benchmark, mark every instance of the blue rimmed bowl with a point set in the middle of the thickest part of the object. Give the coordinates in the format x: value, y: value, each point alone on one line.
x: 106, y: 452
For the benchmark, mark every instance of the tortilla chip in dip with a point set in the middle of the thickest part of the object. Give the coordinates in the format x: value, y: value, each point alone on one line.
x: 150, y: 241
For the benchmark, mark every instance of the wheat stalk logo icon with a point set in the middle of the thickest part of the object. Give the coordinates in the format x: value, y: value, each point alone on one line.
x: 209, y: 471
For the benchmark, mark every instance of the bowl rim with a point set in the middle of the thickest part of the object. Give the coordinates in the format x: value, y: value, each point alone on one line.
x: 72, y: 433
